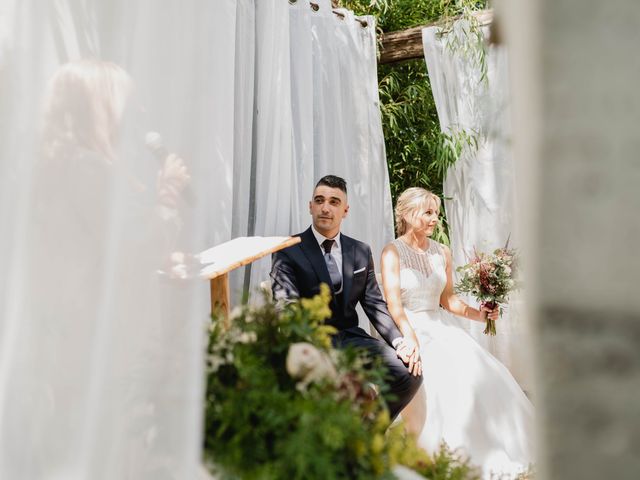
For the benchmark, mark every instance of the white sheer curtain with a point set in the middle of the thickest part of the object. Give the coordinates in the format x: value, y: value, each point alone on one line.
x: 479, y: 189
x: 101, y: 338
x: 317, y: 113
x: 101, y: 323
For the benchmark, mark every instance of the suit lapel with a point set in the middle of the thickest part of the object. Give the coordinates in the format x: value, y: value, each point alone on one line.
x: 311, y: 249
x: 348, y: 256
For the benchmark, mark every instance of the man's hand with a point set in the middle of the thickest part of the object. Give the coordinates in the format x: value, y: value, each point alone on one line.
x: 409, y: 352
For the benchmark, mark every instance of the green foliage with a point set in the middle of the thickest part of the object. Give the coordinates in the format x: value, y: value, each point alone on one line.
x: 449, y: 465
x: 395, y: 15
x: 415, y: 146
x: 468, y: 41
x: 443, y: 465
x: 260, y: 423
x: 418, y: 153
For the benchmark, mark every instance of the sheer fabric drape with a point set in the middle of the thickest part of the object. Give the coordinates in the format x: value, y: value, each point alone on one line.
x: 479, y: 189
x: 102, y: 321
x: 102, y: 328
x: 317, y: 113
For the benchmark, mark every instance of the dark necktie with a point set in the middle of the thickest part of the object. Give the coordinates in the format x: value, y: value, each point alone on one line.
x: 334, y: 273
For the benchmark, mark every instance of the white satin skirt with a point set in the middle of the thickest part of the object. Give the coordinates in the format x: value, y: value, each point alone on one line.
x: 472, y: 401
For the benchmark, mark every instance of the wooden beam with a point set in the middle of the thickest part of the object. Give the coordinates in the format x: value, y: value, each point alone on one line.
x: 401, y: 46
x: 407, y: 44
x: 262, y: 248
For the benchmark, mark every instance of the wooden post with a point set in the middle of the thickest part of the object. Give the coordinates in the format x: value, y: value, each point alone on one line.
x: 220, y: 301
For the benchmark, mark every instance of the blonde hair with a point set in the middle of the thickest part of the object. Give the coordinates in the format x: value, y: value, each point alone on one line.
x: 84, y: 107
x: 409, y: 201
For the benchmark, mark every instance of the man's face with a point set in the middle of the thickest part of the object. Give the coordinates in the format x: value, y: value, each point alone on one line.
x: 328, y: 207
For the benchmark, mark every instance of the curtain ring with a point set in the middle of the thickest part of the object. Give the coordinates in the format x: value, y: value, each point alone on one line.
x: 363, y: 23
x: 314, y: 6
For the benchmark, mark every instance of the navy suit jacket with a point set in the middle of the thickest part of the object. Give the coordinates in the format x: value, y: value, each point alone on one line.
x: 298, y: 271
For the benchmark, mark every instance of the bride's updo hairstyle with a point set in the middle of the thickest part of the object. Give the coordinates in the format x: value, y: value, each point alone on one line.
x: 408, y: 204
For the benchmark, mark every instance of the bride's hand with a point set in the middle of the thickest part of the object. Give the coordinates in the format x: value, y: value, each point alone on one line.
x: 488, y: 313
x: 415, y: 364
x: 408, y: 351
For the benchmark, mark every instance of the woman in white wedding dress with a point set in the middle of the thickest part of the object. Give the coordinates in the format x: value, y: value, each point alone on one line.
x: 469, y: 399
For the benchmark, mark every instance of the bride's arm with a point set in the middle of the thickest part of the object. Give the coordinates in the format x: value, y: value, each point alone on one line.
x: 390, y: 265
x: 450, y: 301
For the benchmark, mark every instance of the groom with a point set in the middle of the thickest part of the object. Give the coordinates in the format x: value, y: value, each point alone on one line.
x: 326, y: 256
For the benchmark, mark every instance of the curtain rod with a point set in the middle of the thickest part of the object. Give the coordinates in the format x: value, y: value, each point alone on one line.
x: 315, y: 7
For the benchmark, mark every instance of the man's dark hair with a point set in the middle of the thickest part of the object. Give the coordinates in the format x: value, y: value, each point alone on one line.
x: 333, y: 181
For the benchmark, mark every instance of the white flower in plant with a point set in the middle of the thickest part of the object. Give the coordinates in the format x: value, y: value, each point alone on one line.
x: 247, y: 337
x: 308, y: 364
x: 215, y: 362
x: 236, y: 313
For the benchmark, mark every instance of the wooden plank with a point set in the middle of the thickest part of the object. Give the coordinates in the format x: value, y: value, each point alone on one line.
x: 407, y: 44
x: 215, y: 270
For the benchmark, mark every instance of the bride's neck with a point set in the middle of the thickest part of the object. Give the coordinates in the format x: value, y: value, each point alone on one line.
x: 417, y: 241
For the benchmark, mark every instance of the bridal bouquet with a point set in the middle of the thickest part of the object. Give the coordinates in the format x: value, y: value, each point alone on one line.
x: 490, y: 279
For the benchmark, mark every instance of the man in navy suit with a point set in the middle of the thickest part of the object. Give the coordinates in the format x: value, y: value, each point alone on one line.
x: 324, y: 255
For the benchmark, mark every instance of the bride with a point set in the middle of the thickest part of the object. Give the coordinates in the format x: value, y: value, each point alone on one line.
x: 469, y: 399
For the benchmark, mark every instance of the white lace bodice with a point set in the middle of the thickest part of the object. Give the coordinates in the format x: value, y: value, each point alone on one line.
x: 422, y: 276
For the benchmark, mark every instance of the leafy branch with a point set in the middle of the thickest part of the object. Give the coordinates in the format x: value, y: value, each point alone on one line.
x: 418, y: 153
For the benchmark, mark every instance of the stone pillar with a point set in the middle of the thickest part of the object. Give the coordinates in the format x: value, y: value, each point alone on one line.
x: 576, y: 84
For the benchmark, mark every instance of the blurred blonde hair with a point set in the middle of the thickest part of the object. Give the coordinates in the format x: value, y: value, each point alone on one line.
x: 84, y: 107
x: 408, y: 203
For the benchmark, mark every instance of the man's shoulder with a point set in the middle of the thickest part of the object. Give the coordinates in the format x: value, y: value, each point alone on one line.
x: 357, y: 243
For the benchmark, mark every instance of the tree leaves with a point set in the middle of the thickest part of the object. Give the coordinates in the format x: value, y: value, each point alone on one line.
x: 418, y: 153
